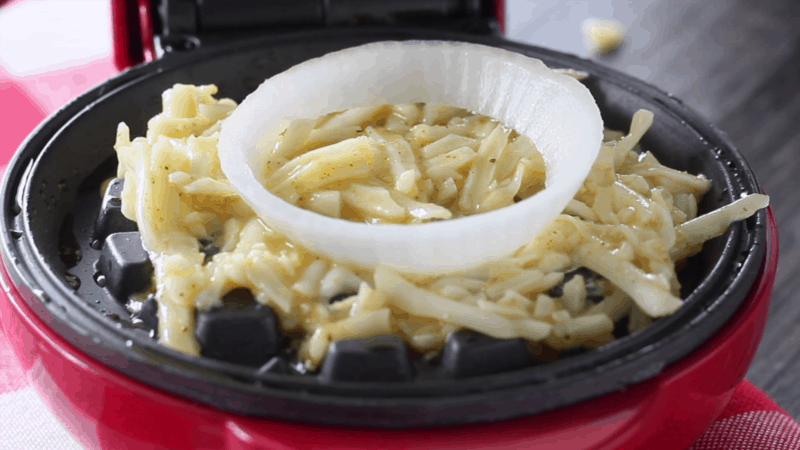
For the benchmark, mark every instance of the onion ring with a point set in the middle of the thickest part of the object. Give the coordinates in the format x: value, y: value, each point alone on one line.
x: 554, y: 110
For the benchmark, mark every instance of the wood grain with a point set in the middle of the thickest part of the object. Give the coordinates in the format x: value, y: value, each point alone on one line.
x: 738, y: 63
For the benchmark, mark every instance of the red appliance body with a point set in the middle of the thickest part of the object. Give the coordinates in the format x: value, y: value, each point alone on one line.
x: 107, y: 410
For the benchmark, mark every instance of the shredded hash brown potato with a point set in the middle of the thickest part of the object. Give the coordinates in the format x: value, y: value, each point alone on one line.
x: 631, y: 222
x: 403, y: 164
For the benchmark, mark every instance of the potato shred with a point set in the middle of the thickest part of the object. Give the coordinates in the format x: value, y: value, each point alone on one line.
x: 403, y: 163
x: 631, y: 221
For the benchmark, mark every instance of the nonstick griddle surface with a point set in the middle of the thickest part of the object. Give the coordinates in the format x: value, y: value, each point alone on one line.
x: 72, y: 153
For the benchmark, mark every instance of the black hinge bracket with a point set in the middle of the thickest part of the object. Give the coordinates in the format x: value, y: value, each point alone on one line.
x: 186, y: 24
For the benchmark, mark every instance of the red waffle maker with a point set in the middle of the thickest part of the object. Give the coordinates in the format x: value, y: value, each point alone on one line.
x: 114, y: 387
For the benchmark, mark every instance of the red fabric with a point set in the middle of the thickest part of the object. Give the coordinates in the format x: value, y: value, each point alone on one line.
x: 751, y: 420
x: 752, y: 430
x: 748, y: 398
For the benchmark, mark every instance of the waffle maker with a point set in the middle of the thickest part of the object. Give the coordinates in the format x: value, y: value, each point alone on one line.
x: 114, y: 387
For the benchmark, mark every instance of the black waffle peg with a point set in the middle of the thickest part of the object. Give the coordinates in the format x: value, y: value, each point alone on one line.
x: 239, y: 332
x: 382, y: 358
x: 125, y: 265
x: 110, y: 219
x: 469, y: 354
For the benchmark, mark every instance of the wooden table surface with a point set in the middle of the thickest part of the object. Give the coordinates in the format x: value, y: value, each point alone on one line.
x: 738, y: 63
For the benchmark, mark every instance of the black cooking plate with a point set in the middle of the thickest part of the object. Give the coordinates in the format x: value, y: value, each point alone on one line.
x: 51, y: 198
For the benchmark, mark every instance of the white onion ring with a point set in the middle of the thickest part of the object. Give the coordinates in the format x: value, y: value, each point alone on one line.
x: 554, y: 110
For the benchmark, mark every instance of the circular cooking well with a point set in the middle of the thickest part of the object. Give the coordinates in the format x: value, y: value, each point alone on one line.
x: 51, y: 200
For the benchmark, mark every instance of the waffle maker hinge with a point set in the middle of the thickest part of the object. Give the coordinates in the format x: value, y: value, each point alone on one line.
x: 181, y: 25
